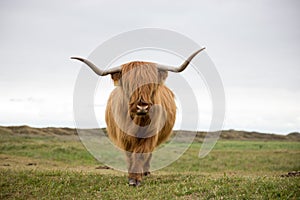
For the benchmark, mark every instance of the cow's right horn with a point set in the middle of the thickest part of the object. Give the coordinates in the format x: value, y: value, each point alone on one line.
x: 98, y: 71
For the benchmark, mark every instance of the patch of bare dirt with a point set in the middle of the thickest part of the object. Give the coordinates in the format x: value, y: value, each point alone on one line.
x: 291, y: 174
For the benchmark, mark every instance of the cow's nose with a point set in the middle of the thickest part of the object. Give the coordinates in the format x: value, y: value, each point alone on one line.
x: 142, y: 108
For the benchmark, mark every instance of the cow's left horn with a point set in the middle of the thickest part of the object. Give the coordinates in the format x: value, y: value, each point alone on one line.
x: 98, y: 71
x: 181, y: 67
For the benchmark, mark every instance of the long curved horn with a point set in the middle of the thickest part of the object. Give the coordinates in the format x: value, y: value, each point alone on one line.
x: 96, y: 69
x: 181, y: 67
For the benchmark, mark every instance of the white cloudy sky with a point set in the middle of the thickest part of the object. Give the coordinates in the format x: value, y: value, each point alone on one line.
x: 255, y: 46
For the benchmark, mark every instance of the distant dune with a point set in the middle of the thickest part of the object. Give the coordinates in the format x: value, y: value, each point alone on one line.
x: 245, y: 135
x: 226, y: 134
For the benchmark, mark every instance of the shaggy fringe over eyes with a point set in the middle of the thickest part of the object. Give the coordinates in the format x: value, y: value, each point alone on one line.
x: 134, y: 83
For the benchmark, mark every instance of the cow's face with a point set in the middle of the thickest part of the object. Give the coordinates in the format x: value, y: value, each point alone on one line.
x: 140, y: 82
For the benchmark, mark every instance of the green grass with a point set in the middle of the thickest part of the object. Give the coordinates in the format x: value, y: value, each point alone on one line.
x: 68, y: 185
x: 65, y: 149
x: 233, y: 170
x: 246, y: 157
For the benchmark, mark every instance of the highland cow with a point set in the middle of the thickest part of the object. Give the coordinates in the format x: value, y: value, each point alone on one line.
x: 140, y: 112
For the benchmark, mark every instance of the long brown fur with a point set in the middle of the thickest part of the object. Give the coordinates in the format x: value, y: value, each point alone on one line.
x: 120, y: 113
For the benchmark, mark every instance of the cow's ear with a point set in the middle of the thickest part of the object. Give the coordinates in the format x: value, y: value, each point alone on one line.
x: 162, y: 75
x: 116, y: 77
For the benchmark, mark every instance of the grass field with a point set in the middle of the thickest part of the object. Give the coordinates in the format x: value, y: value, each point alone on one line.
x: 59, y: 167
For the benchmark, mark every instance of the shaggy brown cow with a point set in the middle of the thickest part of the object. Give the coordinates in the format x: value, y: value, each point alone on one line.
x: 140, y: 112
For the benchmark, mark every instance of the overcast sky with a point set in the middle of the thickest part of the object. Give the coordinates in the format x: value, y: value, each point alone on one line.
x: 255, y: 46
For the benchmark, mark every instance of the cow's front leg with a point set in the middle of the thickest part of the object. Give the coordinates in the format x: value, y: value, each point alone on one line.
x: 146, y: 168
x: 135, y: 171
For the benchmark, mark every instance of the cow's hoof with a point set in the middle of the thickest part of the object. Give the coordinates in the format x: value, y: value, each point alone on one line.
x: 138, y: 183
x: 133, y: 182
x: 147, y: 173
